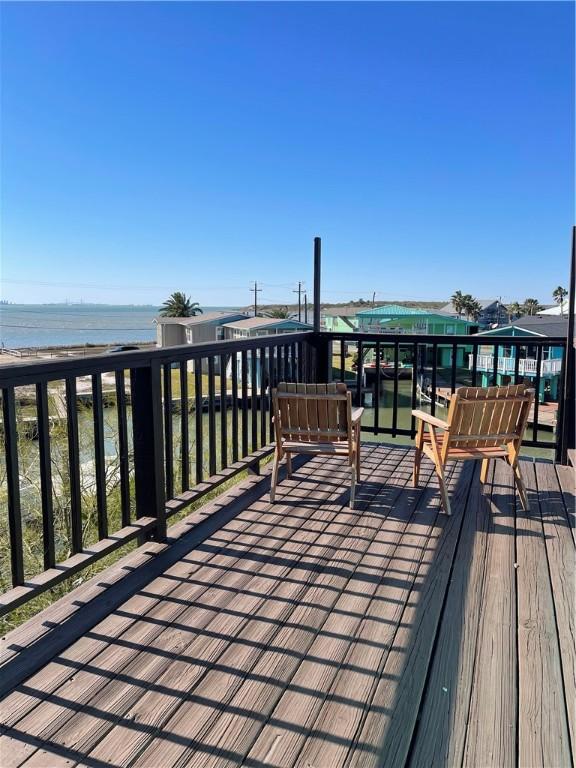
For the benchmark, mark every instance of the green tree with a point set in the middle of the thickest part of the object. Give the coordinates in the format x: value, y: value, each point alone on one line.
x: 514, y: 310
x: 531, y: 307
x: 559, y: 294
x: 179, y: 305
x: 472, y: 307
x: 457, y: 300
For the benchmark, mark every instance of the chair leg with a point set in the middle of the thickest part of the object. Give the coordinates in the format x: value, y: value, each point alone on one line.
x: 274, y: 480
x: 358, y: 457
x: 288, y: 465
x: 484, y: 470
x: 443, y: 489
x: 418, y: 454
x: 352, y: 485
x: 521, y: 488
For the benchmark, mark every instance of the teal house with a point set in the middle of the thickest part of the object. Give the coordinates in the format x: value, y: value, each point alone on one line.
x: 339, y: 319
x: 398, y: 320
x: 526, y: 328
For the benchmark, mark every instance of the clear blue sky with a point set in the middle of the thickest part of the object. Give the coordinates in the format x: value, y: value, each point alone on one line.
x: 152, y: 147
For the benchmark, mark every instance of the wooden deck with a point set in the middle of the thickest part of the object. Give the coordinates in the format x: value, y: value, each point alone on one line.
x: 307, y: 634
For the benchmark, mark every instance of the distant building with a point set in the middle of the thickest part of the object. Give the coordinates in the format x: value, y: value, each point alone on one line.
x: 172, y: 331
x: 249, y: 327
x: 527, y: 362
x: 560, y: 310
x: 493, y: 311
x: 339, y: 319
x: 396, y: 319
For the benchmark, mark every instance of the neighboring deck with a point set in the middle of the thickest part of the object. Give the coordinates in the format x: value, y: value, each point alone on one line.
x: 308, y: 634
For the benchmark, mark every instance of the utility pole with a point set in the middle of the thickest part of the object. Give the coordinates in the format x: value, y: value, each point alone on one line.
x: 299, y: 292
x: 255, y: 291
x: 373, y: 299
x: 305, y: 307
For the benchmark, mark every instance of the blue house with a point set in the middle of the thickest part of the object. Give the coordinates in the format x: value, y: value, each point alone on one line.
x: 526, y: 328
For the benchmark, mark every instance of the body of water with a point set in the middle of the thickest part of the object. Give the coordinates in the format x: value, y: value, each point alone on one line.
x: 45, y: 325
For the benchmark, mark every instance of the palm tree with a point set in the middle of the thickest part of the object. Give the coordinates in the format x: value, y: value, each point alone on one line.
x: 514, y: 310
x: 457, y: 302
x: 180, y: 305
x: 531, y: 306
x: 559, y: 294
x: 473, y: 308
x: 281, y: 313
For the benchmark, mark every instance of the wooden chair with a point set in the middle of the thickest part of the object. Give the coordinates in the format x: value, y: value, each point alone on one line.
x: 315, y: 419
x: 483, y: 423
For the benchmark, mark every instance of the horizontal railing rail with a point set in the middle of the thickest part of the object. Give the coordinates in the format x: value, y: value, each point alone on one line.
x: 105, y: 449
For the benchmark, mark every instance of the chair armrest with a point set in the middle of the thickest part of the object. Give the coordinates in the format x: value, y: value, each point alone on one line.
x: 429, y: 419
x: 357, y: 414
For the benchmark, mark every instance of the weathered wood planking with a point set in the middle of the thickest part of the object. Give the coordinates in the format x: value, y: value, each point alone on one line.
x: 442, y: 728
x: 543, y: 738
x: 561, y: 563
x: 384, y: 737
x: 567, y: 479
x: 217, y: 691
x: 290, y: 711
x: 491, y: 732
x: 174, y: 583
x: 81, y: 686
x: 331, y: 734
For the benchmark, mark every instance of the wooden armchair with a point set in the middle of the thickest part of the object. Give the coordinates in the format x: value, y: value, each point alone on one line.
x: 483, y: 423
x: 315, y: 419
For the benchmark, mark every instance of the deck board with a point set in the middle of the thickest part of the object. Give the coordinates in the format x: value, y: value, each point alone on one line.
x: 304, y: 633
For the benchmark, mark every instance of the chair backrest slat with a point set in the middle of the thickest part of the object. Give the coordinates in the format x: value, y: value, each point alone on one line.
x: 312, y: 412
x: 485, y: 417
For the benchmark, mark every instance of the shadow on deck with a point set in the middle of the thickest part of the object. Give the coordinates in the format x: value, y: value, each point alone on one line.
x: 304, y: 633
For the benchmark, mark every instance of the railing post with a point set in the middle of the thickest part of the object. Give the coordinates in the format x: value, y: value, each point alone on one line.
x: 146, y: 394
x: 317, y: 275
x: 566, y: 439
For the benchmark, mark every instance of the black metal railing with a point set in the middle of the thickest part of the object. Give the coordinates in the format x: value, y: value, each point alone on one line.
x: 101, y: 450
x: 435, y: 366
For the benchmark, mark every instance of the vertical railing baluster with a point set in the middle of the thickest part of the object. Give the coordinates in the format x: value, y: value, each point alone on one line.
x: 184, y: 429
x: 516, y: 363
x: 272, y: 385
x: 168, y: 431
x: 342, y: 360
x: 74, y: 466
x: 560, y: 420
x: 13, y: 481
x: 475, y: 348
x: 45, y: 474
x: 211, y: 417
x: 123, y: 449
x: 223, y: 414
x: 199, y: 419
x: 395, y: 396
x: 359, y: 374
x: 378, y: 373
x: 254, y: 398
x: 453, y: 369
x: 234, y: 371
x: 537, y: 394
x: 434, y: 373
x: 99, y: 459
x: 294, y: 363
x: 264, y: 379
x: 244, y: 359
x: 495, y: 365
x: 414, y: 387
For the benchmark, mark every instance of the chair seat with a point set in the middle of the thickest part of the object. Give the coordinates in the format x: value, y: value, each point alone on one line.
x: 466, y: 451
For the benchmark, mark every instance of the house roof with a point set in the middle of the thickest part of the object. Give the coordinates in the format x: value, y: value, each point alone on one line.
x: 265, y: 322
x: 394, y: 310
x: 339, y: 311
x: 206, y: 317
x: 484, y: 303
x: 539, y: 326
x: 557, y: 310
